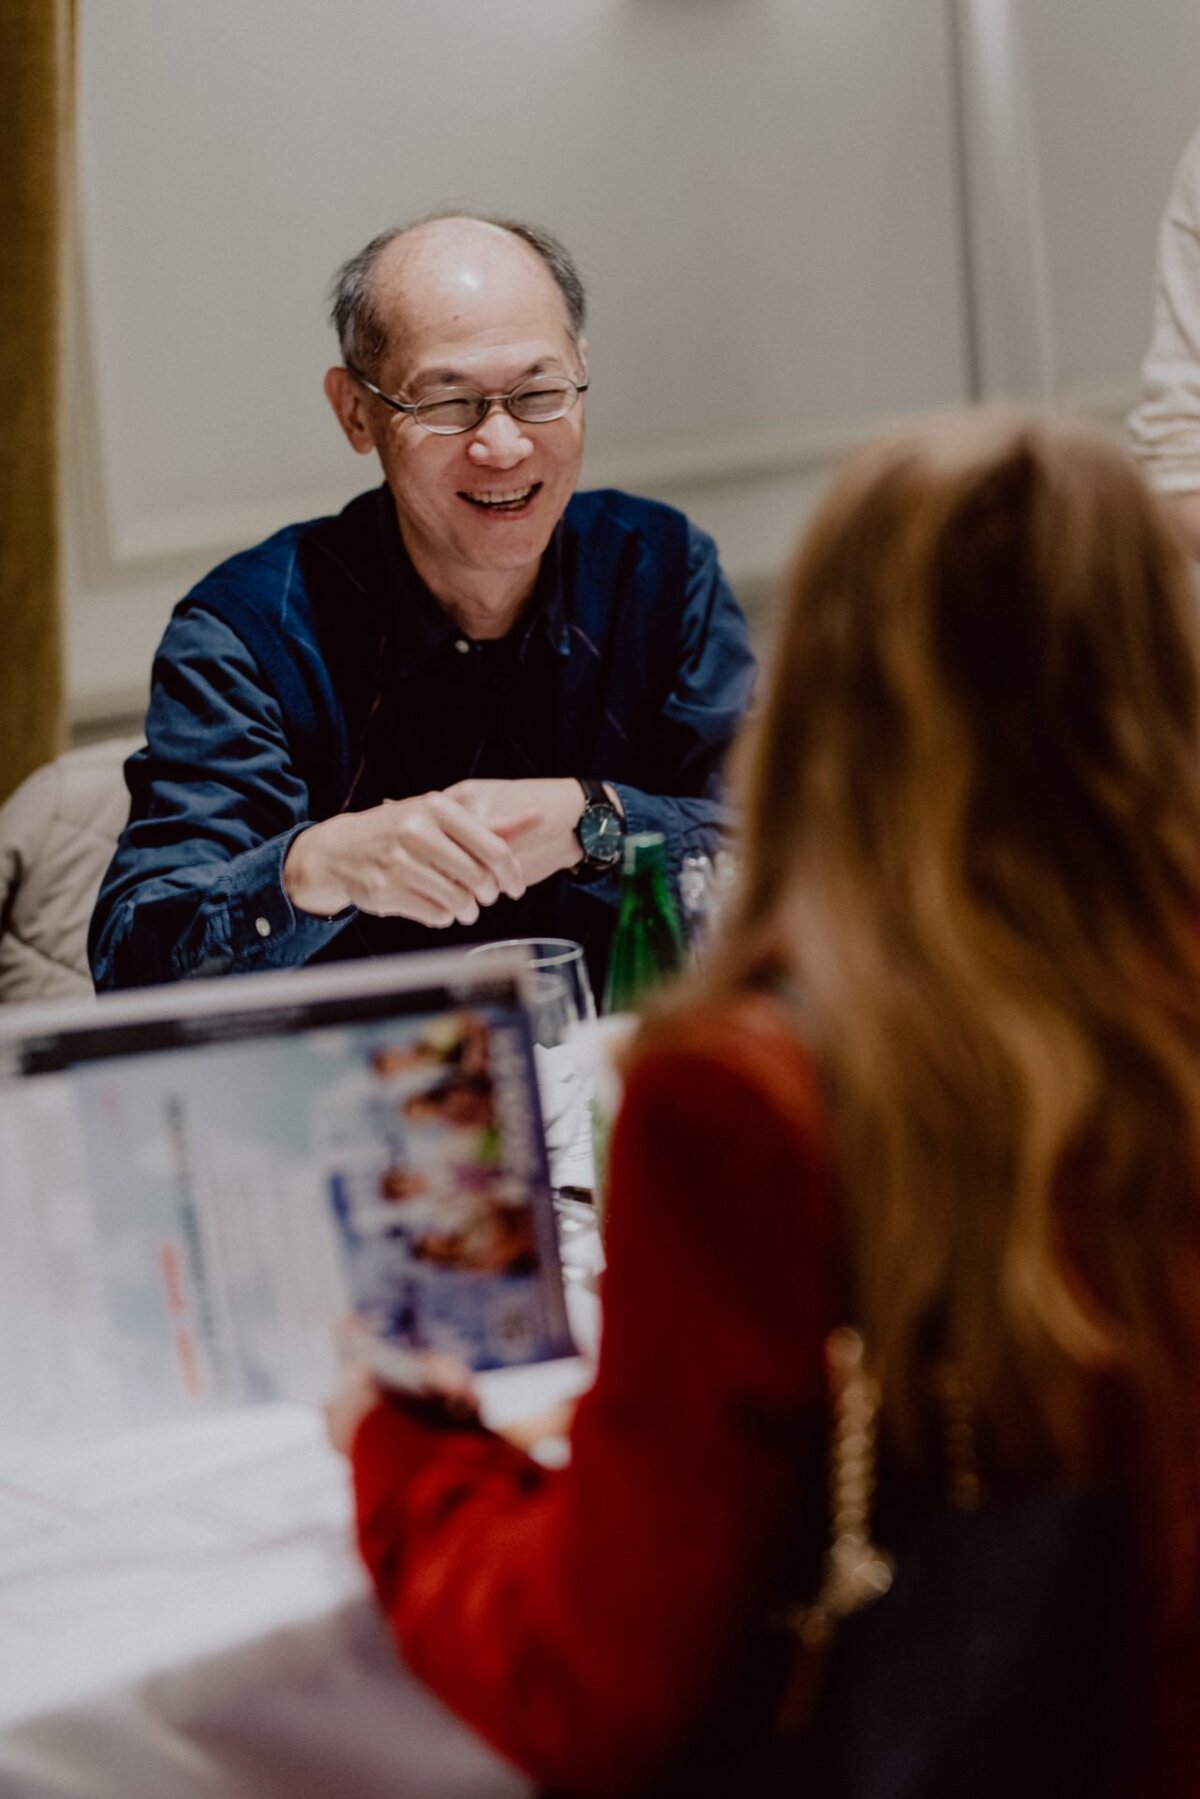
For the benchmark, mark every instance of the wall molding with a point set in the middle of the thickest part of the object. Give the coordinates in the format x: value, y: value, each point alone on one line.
x: 114, y: 554
x: 760, y: 474
x: 110, y: 552
x: 768, y: 474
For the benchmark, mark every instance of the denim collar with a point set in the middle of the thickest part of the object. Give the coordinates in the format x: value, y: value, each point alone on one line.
x: 420, y: 626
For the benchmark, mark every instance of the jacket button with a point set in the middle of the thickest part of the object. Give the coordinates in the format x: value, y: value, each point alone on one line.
x: 263, y: 926
x: 462, y: 646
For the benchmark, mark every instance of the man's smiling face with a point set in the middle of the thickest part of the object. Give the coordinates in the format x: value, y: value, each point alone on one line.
x: 470, y: 305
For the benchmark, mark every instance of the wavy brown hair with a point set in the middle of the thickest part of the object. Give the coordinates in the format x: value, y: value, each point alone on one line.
x: 972, y: 847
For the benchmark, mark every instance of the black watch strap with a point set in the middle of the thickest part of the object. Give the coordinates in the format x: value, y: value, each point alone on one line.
x: 599, y: 810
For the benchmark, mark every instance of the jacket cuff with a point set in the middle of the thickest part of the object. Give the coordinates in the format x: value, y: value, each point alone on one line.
x: 265, y: 929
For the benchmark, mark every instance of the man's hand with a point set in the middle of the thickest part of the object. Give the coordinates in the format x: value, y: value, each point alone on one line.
x: 431, y: 858
x: 548, y: 846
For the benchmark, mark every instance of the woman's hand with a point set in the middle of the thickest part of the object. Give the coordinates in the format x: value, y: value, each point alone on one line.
x: 356, y: 1394
x: 372, y: 1370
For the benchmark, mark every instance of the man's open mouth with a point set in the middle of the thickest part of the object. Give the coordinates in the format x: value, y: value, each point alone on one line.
x: 511, y: 499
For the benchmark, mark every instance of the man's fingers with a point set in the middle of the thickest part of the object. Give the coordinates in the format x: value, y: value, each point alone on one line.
x: 425, y: 858
x: 518, y: 825
x: 417, y: 870
x: 470, y: 880
x: 453, y: 895
x: 486, y: 845
x: 397, y: 885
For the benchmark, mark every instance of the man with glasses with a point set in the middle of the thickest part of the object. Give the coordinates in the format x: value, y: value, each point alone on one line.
x: 434, y: 716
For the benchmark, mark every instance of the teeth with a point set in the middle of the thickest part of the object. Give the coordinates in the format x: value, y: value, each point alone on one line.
x: 516, y: 496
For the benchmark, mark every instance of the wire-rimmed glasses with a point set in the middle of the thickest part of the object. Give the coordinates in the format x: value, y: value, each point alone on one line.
x: 448, y: 411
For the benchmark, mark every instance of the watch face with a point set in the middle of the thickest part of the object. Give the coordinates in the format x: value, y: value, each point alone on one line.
x: 600, y: 833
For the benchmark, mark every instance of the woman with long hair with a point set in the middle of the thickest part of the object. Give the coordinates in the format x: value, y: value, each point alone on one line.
x: 940, y: 1080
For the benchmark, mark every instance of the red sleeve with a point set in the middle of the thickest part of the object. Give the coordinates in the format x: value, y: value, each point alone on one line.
x: 585, y: 1621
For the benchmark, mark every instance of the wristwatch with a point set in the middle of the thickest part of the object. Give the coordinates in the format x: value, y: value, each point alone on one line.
x: 600, y: 830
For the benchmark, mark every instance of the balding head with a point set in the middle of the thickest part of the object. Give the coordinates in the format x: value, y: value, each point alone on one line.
x: 467, y: 307
x: 457, y: 251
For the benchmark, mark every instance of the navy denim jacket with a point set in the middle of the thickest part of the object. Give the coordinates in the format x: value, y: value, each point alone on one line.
x: 316, y: 673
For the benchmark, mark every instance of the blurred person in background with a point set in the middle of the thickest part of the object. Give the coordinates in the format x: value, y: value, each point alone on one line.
x: 940, y: 1080
x: 433, y: 717
x: 1165, y: 427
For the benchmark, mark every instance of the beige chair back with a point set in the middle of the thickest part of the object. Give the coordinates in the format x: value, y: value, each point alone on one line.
x: 57, y: 833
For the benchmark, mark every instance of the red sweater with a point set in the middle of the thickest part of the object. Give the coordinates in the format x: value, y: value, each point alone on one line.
x: 587, y: 1622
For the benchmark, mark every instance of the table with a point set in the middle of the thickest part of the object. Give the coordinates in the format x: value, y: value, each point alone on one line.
x: 183, y: 1616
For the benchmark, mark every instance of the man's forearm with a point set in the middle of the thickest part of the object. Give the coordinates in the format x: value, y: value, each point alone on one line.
x: 211, y: 916
x: 691, y: 826
x: 426, y: 858
x: 550, y: 846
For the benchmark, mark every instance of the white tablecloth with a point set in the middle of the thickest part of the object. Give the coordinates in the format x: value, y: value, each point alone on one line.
x: 182, y: 1614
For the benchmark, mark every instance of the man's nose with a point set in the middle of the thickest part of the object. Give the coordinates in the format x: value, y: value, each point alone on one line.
x: 499, y: 441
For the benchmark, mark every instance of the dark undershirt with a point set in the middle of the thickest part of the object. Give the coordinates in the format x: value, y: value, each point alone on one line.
x: 489, y: 712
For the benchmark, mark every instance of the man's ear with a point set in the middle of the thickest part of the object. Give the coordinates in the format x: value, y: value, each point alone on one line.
x: 349, y: 402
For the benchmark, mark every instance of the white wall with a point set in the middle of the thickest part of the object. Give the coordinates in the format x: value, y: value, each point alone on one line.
x: 1117, y: 94
x: 763, y: 195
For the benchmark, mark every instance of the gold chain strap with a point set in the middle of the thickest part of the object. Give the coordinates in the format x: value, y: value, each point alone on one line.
x: 855, y: 1570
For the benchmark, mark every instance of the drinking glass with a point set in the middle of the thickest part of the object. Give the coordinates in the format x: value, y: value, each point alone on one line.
x: 706, y: 884
x: 562, y: 1002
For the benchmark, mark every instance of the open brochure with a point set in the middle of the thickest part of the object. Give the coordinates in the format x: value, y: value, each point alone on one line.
x: 196, y: 1183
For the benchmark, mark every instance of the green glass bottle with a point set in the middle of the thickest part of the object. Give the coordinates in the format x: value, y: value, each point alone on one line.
x: 647, y: 946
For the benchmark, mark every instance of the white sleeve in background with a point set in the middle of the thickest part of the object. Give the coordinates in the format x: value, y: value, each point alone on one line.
x: 1165, y: 428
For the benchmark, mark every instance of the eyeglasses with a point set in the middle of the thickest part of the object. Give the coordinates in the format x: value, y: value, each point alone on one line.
x: 448, y: 411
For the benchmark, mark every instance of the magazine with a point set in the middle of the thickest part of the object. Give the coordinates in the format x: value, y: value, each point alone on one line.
x: 196, y: 1183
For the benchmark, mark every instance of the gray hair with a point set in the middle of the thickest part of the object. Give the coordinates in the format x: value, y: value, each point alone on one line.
x: 361, y: 333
